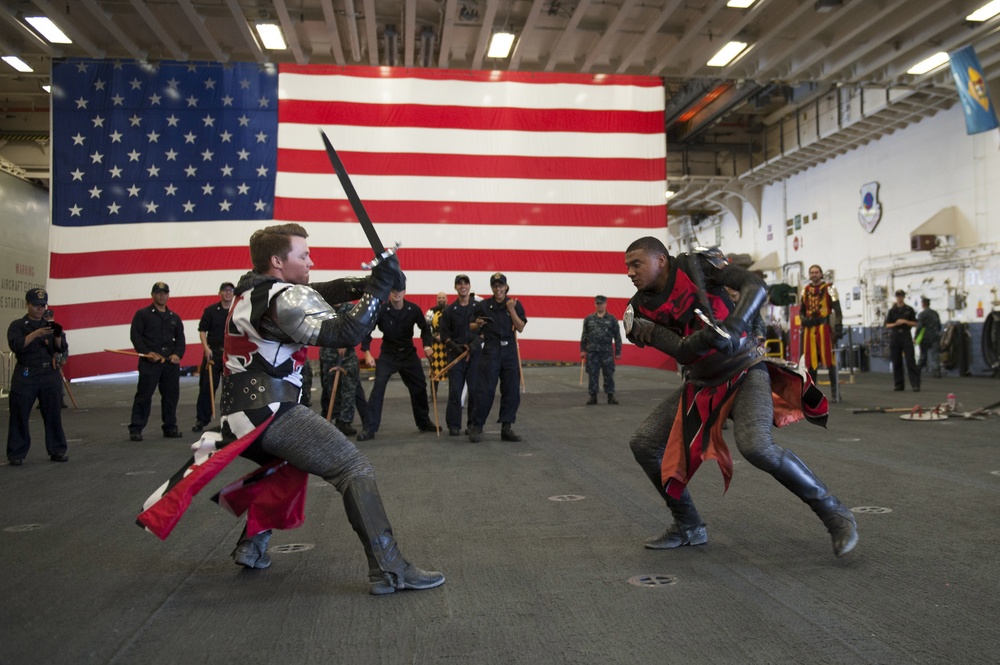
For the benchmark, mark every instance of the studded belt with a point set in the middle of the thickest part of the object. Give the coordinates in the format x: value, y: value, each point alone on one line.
x: 254, y: 390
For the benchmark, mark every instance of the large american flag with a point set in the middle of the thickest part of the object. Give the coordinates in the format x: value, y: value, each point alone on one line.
x: 162, y: 172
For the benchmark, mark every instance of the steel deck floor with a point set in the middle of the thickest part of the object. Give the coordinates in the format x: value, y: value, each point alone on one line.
x: 529, y: 579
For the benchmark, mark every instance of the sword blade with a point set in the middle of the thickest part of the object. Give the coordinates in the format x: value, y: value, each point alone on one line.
x: 353, y: 198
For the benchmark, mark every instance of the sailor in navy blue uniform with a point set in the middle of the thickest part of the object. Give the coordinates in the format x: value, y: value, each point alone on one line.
x: 158, y: 333
x: 35, y: 343
x: 396, y: 320
x: 498, y: 320
x: 457, y: 337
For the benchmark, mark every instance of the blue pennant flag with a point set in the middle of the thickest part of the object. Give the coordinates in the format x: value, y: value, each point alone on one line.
x: 968, y: 74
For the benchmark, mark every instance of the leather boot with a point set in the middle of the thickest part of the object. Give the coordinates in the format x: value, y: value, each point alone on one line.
x: 252, y: 552
x: 387, y: 569
x: 803, y: 483
x: 687, y: 529
x: 507, y: 434
x: 346, y: 428
x: 834, y: 385
x: 592, y: 400
x: 475, y: 433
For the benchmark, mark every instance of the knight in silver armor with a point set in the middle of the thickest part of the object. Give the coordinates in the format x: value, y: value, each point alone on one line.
x: 681, y: 308
x: 277, y: 312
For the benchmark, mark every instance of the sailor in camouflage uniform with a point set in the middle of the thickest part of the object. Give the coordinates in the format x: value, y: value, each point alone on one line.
x: 350, y: 396
x: 600, y: 347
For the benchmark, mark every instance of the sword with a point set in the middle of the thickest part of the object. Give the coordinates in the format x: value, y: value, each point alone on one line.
x: 381, y: 253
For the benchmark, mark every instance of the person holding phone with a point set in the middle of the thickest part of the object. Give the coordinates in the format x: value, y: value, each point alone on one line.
x: 35, y: 343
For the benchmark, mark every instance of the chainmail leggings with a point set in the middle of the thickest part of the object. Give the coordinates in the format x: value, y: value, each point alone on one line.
x: 752, y: 413
x: 307, y: 441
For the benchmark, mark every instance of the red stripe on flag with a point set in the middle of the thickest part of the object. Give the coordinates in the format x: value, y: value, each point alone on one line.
x: 474, y: 166
x: 128, y: 262
x: 190, y: 308
x: 469, y: 117
x: 473, y: 76
x: 486, y: 213
x: 95, y: 364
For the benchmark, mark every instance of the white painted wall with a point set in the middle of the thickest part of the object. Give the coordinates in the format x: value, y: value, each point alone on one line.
x: 921, y: 169
x: 24, y: 245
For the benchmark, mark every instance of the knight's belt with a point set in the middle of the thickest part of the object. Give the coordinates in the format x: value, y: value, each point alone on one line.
x: 254, y: 390
x: 718, y: 368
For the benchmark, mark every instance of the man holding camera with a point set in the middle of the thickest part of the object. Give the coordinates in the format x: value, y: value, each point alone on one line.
x: 36, y: 343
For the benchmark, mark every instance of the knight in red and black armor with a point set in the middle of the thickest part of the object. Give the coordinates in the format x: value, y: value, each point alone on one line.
x: 681, y: 308
x: 275, y: 315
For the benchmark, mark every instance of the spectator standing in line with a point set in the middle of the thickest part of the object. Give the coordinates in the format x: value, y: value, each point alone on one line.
x: 600, y: 346
x: 929, y: 338
x: 212, y: 331
x: 498, y: 320
x: 158, y: 334
x: 457, y: 336
x: 899, y: 320
x: 36, y: 343
x: 396, y: 320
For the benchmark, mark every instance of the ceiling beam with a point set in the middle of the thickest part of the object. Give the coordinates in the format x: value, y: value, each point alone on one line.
x: 699, y: 58
x: 447, y: 32
x: 526, y: 29
x: 352, y: 30
x: 862, y: 23
x: 570, y: 29
x: 175, y: 51
x: 336, y: 48
x: 763, y: 41
x: 244, y: 27
x: 288, y: 28
x: 409, y: 31
x: 112, y: 27
x: 198, y: 22
x: 603, y: 45
x: 887, y: 40
x: 765, y: 65
x: 651, y: 30
x: 371, y: 31
x: 485, y: 32
x: 37, y: 41
x: 66, y: 25
x: 690, y: 32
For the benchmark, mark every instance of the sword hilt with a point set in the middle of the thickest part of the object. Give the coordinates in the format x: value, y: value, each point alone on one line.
x: 712, y: 324
x: 382, y: 257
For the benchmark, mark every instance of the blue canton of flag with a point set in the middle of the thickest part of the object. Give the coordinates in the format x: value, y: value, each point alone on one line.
x: 171, y: 142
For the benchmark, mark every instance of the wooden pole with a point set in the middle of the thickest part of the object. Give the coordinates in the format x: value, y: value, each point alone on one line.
x: 444, y: 370
x: 333, y: 392
x: 209, y: 366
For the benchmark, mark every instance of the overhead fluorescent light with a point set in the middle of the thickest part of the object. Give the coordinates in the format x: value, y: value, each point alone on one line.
x: 740, y: 4
x: 17, y: 63
x: 46, y: 28
x: 726, y: 54
x: 47, y: 88
x: 271, y: 37
x: 500, y: 45
x: 986, y: 12
x: 669, y: 193
x: 938, y: 59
